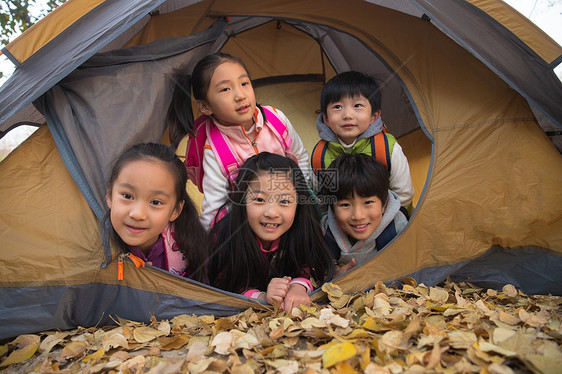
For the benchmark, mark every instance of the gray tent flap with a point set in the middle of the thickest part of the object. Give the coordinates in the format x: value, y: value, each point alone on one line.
x: 532, y: 270
x: 42, y: 308
x: 81, y: 40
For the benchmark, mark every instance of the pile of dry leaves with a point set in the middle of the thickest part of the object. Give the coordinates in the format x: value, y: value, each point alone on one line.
x: 457, y: 328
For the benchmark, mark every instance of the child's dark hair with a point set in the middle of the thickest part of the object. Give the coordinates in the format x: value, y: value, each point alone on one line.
x: 350, y: 84
x: 359, y: 174
x: 236, y: 262
x: 180, y: 112
x: 189, y: 233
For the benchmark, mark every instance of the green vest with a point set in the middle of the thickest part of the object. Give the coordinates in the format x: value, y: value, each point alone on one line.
x: 379, y: 146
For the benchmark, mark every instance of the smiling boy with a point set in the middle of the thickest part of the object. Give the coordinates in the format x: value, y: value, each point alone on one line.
x: 365, y: 215
x: 350, y: 122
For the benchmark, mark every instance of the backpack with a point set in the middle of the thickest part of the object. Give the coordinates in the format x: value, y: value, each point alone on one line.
x: 204, y: 130
x: 379, y: 150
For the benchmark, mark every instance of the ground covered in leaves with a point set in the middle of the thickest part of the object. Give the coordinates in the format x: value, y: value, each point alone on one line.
x: 456, y: 328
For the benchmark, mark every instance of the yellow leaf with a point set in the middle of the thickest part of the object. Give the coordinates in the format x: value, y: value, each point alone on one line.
x: 339, y: 302
x: 145, y: 334
x: 207, y: 318
x: 26, y: 339
x: 437, y: 307
x: 3, y: 349
x: 358, y: 334
x: 337, y: 353
x: 438, y: 294
x: 369, y: 299
x: 358, y: 303
x: 73, y: 349
x: 309, y: 309
x: 332, y: 290
x: 99, y: 353
x: 344, y: 368
x: 21, y: 354
x: 364, y: 356
x: 372, y: 325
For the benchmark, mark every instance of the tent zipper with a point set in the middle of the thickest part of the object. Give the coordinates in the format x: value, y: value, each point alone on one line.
x: 136, y: 260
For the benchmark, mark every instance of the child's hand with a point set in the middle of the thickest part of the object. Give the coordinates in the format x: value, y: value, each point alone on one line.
x: 342, y: 269
x: 277, y: 289
x: 296, y: 295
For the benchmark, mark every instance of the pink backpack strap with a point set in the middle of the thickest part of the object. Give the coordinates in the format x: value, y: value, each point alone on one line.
x: 194, y: 151
x: 280, y: 129
x: 174, y: 257
x: 224, y: 154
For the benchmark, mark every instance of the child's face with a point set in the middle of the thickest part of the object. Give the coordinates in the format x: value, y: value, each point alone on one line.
x: 358, y: 216
x: 349, y: 117
x: 271, y: 203
x: 230, y: 98
x: 142, y: 202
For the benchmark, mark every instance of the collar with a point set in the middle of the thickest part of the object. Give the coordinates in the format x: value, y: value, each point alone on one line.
x: 257, y: 126
x: 273, y: 248
x: 153, y: 253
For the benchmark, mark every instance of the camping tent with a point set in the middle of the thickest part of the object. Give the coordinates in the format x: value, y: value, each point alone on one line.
x: 463, y: 84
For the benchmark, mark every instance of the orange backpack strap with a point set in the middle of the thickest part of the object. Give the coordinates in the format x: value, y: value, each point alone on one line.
x: 317, y: 158
x: 380, y: 149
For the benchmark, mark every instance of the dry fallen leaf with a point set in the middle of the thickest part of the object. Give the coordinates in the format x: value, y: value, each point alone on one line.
x: 222, y: 342
x: 408, y: 328
x: 73, y: 350
x: 145, y: 334
x: 337, y: 353
x: 27, y: 346
x: 115, y: 340
x: 509, y: 290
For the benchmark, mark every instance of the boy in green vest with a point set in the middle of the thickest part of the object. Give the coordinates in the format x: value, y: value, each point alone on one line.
x: 351, y: 122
